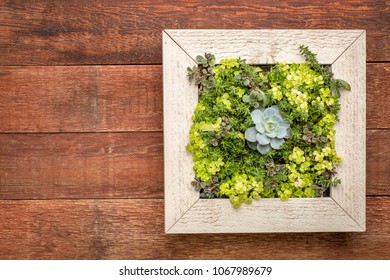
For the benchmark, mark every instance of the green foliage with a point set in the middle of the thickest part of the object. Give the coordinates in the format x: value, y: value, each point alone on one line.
x: 336, y: 85
x: 287, y: 113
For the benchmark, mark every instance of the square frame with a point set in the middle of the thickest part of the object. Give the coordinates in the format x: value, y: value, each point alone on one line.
x: 343, y: 211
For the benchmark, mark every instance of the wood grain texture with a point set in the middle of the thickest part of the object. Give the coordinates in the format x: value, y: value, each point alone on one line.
x: 118, y: 165
x: 350, y: 138
x: 263, y: 46
x: 378, y: 190
x: 134, y: 229
x: 378, y: 95
x: 378, y: 160
x: 117, y: 98
x: 91, y: 98
x: 268, y: 216
x: 122, y: 32
x: 47, y: 166
x: 180, y: 99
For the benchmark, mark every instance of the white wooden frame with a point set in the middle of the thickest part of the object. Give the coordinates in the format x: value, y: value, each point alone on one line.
x: 344, y: 210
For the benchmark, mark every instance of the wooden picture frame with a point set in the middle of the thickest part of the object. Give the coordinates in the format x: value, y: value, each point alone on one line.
x: 344, y: 210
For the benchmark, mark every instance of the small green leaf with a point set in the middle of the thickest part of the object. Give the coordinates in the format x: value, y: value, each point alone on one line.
x: 344, y: 84
x: 199, y: 59
x: 335, y: 90
x: 337, y: 93
x: 266, y: 100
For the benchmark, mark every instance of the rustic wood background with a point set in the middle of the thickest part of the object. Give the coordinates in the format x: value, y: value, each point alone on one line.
x: 81, y: 146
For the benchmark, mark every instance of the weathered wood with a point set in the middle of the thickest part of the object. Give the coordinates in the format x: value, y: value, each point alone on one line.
x: 264, y: 46
x: 120, y: 32
x: 344, y: 210
x: 118, y: 165
x: 180, y: 100
x: 47, y: 166
x: 93, y: 98
x: 266, y: 215
x: 117, y: 98
x: 134, y: 229
x: 350, y: 138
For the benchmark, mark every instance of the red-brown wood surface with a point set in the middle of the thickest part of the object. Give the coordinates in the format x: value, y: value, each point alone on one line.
x: 123, y: 32
x: 81, y: 146
x: 378, y: 96
x: 88, y: 98
x: 134, y: 229
x: 116, y: 98
x: 81, y: 165
x: 117, y: 165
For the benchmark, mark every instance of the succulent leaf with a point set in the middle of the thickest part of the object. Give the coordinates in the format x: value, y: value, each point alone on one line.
x: 246, y: 98
x: 252, y: 145
x: 269, y: 131
x: 199, y: 58
x: 262, y: 139
x: 276, y: 143
x: 260, y: 127
x: 271, y: 134
x: 256, y: 97
x: 250, y: 134
x: 269, y: 112
x: 284, y: 124
x: 266, y: 100
x: 282, y: 132
x: 257, y: 116
x: 263, y: 149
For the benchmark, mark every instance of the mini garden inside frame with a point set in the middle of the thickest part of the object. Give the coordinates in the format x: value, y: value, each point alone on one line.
x: 343, y: 210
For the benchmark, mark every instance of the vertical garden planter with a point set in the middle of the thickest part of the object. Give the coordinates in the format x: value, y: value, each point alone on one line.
x: 343, y: 210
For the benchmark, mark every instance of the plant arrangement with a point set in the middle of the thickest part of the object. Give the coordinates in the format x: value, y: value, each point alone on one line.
x: 264, y: 132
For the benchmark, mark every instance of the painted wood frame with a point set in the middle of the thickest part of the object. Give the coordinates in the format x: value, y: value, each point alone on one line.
x: 343, y: 211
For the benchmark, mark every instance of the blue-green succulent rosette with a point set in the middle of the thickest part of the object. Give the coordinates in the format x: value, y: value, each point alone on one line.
x: 269, y: 131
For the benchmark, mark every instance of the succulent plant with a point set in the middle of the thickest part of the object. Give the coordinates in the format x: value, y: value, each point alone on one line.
x: 207, y: 189
x: 215, y: 137
x: 309, y: 137
x: 269, y: 131
x: 202, y: 74
x: 256, y: 98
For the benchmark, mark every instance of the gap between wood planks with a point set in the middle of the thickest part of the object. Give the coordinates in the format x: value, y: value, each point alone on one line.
x: 116, y: 98
x: 60, y: 33
x: 117, y: 165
